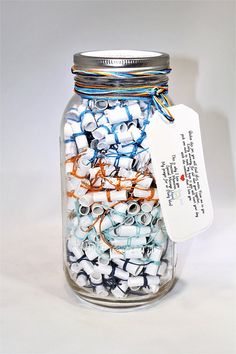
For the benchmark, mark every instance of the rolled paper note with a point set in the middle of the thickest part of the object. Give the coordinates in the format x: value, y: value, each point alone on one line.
x: 83, y: 210
x: 97, y: 209
x: 121, y: 208
x: 145, y: 182
x: 118, y: 138
x: 101, y: 104
x: 73, y: 242
x: 122, y: 161
x: 132, y: 266
x: 68, y: 131
x: 70, y: 148
x: 104, y: 259
x: 69, y: 166
x: 90, y: 154
x: 136, y: 133
x: 160, y: 238
x: 109, y: 270
x: 95, y: 278
x: 73, y: 222
x: 103, y: 224
x: 84, y: 166
x: 94, y: 144
x: 117, y: 218
x: 162, y: 268
x: 78, y: 253
x: 110, y: 196
x: 126, y: 150
x: 146, y: 194
x: 133, y: 208
x: 140, y: 280
x: 87, y: 266
x: 151, y: 289
x: 91, y: 251
x: 155, y: 213
x: 129, y: 242
x: 123, y: 114
x: 113, y: 183
x: 134, y: 253
x: 102, y: 145
x: 80, y: 137
x: 144, y: 219
x: 72, y: 183
x: 109, y: 170
x: 101, y: 119
x: 72, y: 114
x: 85, y: 222
x: 101, y: 290
x: 132, y: 230
x: 93, y: 172
x: 80, y: 234
x: 129, y: 220
x: 88, y: 122
x: 81, y: 280
x: 120, y: 127
x: 123, y: 172
x: 75, y: 267
x: 70, y: 203
x: 82, y: 188
x: 101, y: 132
x: 87, y: 199
x: 147, y: 206
x: 120, y: 290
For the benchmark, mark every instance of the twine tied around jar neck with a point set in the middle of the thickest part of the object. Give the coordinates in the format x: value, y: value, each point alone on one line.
x: 94, y: 84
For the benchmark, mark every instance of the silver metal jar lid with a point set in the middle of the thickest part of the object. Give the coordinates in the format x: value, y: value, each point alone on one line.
x: 122, y: 60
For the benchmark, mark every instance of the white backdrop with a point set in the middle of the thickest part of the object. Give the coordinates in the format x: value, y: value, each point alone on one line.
x: 39, y: 38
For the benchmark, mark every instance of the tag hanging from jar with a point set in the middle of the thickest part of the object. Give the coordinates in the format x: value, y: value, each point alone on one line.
x: 179, y: 169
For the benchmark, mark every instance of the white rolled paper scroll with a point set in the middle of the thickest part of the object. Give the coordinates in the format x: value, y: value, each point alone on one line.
x: 151, y: 289
x: 70, y: 148
x: 91, y: 251
x: 107, y: 269
x: 133, y: 208
x: 118, y: 138
x: 97, y: 209
x: 134, y: 253
x: 70, y: 203
x: 162, y: 269
x: 81, y: 280
x: 80, y: 137
x: 147, y: 206
x: 68, y: 131
x: 101, y: 290
x: 120, y: 290
x: 155, y: 256
x: 105, y: 224
x: 133, y: 230
x: 95, y: 277
x: 88, y: 122
x: 133, y: 242
x: 120, y: 114
x: 81, y: 188
x: 102, y: 145
x: 129, y: 220
x: 144, y: 219
x: 87, y: 199
x: 130, y: 266
x: 75, y: 268
x: 101, y: 104
x: 83, y: 210
x: 149, y: 193
x: 123, y: 172
x: 85, y: 222
x: 145, y: 182
x: 123, y: 161
x: 112, y: 196
x: 87, y: 266
x: 102, y: 131
x: 140, y: 281
x: 112, y: 182
x: 104, y: 259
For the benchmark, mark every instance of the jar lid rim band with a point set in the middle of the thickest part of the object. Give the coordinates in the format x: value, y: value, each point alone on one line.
x: 122, y: 60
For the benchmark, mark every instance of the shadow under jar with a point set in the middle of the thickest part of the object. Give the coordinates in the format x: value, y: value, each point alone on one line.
x: 117, y: 252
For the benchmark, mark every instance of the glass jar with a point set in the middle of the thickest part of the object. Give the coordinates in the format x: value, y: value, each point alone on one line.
x: 116, y: 249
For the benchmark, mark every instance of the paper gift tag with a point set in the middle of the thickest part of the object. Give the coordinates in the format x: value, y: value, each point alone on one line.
x: 179, y: 169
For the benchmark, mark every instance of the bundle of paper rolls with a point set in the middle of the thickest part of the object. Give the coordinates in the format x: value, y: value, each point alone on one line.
x: 117, y: 244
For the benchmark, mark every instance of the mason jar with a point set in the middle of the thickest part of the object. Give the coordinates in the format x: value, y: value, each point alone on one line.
x: 117, y: 252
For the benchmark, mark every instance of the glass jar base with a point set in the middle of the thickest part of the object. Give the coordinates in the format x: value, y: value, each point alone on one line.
x: 131, y: 302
